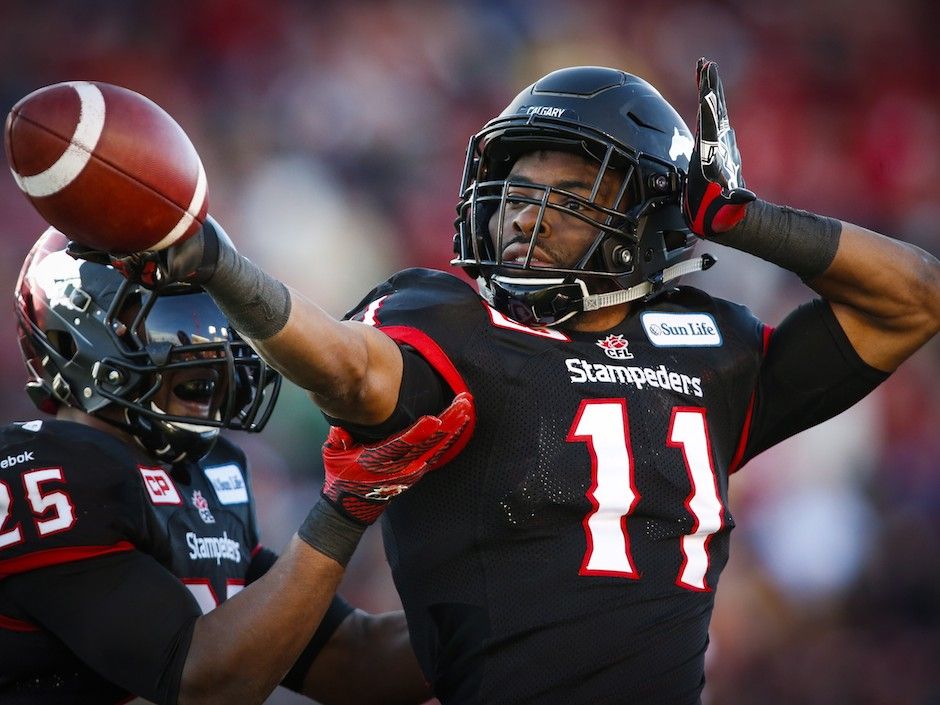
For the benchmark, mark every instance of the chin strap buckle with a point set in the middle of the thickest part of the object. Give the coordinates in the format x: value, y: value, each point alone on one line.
x: 680, y: 269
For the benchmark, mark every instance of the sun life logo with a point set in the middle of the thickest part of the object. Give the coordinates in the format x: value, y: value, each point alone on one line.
x: 616, y: 347
x: 202, y: 504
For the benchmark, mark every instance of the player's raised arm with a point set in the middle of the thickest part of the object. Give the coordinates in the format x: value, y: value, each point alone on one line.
x: 884, y: 292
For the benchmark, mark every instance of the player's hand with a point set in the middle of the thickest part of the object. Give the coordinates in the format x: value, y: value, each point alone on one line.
x: 361, y: 479
x: 190, y: 262
x: 714, y: 197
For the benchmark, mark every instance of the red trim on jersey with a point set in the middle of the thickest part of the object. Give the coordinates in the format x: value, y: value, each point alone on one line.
x: 735, y: 464
x: 256, y: 550
x: 501, y: 320
x: 768, y: 331
x: 430, y: 351
x: 17, y: 625
x: 437, y: 358
x: 696, y: 490
x: 371, y: 315
x: 588, y: 439
x: 57, y: 556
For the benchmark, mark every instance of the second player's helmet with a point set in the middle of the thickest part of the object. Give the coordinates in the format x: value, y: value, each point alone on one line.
x: 621, y: 123
x: 95, y: 341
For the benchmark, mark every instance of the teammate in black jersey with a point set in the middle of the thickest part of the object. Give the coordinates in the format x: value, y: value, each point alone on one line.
x: 130, y: 561
x: 571, y: 551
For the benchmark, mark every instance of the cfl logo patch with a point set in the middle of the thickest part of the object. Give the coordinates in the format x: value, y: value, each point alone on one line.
x: 615, y: 346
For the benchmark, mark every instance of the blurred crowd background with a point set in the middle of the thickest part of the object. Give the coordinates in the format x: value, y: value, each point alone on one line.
x: 333, y: 135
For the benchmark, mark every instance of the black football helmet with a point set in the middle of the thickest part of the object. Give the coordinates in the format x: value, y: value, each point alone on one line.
x: 95, y: 341
x: 623, y: 124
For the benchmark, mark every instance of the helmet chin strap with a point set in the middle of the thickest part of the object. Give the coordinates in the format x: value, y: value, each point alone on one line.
x: 195, y: 428
x: 559, y: 289
x: 592, y: 302
x: 169, y: 441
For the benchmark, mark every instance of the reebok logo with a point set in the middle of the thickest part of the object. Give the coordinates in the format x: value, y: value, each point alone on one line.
x: 12, y: 460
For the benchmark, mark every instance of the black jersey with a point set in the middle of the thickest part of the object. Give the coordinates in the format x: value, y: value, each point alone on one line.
x: 91, y: 529
x: 571, y: 552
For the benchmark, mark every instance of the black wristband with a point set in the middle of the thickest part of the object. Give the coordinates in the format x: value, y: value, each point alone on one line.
x: 331, y: 533
x: 257, y: 304
x: 804, y: 243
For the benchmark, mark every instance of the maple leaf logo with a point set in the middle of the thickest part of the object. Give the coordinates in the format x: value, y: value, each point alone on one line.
x: 616, y: 347
x: 202, y: 504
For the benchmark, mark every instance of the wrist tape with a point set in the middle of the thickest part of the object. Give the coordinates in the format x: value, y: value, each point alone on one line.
x: 802, y: 242
x: 257, y: 304
x: 330, y: 532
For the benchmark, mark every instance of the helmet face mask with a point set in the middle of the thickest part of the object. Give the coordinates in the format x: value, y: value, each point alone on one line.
x: 165, y: 368
x: 613, y: 120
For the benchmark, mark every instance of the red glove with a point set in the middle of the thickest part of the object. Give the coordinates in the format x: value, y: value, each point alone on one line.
x: 361, y: 479
x: 714, y: 198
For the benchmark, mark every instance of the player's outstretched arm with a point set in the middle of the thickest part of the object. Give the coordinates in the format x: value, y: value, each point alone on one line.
x: 353, y: 371
x: 885, y: 293
x: 246, y: 646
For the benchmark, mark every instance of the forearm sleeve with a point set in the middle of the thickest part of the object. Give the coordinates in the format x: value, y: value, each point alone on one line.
x: 803, y: 242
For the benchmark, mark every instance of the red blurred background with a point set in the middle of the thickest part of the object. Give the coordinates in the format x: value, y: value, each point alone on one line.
x: 333, y: 135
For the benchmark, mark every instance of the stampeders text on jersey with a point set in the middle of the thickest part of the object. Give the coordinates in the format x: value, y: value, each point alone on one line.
x: 582, y: 371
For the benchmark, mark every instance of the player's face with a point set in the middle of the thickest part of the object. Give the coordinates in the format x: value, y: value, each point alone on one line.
x: 562, y: 239
x: 196, y: 391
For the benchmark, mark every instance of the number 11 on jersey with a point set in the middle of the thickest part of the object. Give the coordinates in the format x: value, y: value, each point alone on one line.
x: 604, y: 425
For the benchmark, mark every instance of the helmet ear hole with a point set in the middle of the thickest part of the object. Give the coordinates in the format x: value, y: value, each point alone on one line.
x: 675, y: 240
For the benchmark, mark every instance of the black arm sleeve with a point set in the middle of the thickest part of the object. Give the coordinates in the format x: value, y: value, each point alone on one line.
x: 811, y: 373
x: 123, y: 614
x: 338, y: 610
x: 423, y: 392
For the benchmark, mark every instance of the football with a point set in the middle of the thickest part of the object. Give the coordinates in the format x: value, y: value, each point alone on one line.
x: 106, y: 166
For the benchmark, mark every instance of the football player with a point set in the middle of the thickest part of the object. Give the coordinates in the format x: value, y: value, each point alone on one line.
x: 130, y: 562
x: 570, y: 553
